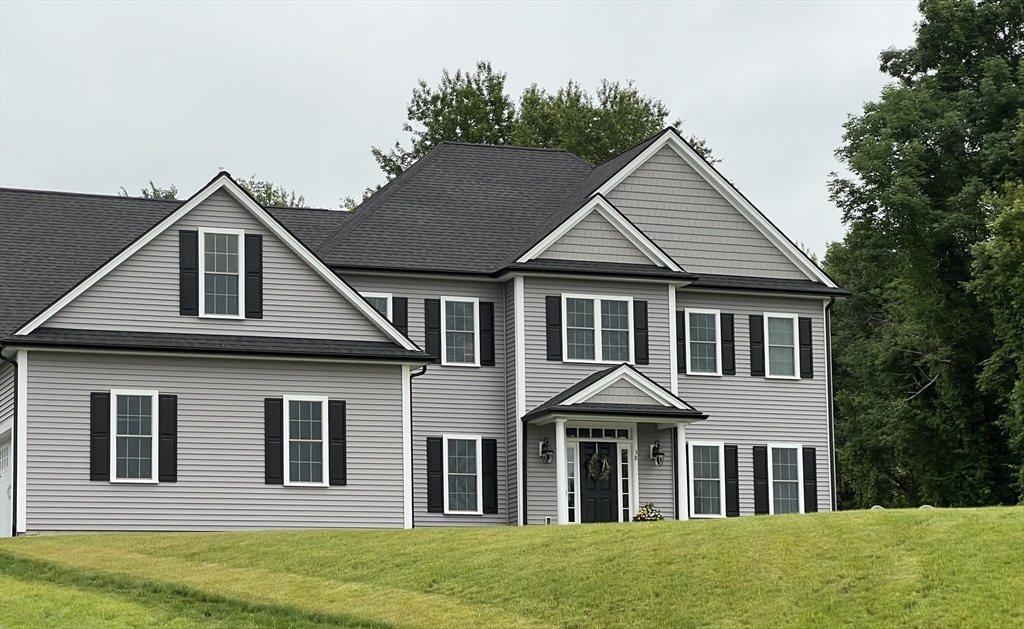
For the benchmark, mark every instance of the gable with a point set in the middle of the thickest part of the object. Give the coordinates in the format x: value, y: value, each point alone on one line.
x: 623, y: 392
x: 694, y: 223
x: 141, y: 293
x: 595, y: 239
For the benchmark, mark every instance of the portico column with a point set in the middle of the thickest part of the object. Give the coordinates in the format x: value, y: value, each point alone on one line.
x: 684, y: 489
x: 562, y: 472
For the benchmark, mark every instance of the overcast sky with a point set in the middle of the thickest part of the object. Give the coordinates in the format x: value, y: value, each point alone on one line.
x: 95, y: 96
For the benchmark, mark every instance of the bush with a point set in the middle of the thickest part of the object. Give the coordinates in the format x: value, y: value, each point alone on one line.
x: 648, y: 513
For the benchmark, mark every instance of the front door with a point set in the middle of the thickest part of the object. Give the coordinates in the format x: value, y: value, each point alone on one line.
x: 600, y: 492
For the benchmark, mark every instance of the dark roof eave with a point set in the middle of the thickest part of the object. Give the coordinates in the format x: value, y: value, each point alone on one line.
x: 583, y: 409
x: 761, y: 285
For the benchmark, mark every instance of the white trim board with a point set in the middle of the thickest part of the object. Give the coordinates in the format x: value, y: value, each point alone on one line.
x: 598, y: 203
x: 627, y: 373
x: 729, y: 193
x: 224, y: 182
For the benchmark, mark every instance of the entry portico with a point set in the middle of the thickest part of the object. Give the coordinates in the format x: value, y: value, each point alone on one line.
x: 613, y: 432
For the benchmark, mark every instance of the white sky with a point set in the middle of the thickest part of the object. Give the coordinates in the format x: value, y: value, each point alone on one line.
x: 95, y: 96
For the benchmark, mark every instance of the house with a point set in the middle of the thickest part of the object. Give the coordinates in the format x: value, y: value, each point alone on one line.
x: 499, y: 336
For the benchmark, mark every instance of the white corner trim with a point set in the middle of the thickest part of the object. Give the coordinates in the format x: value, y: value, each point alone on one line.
x: 721, y: 477
x: 325, y: 440
x: 21, y: 426
x: 683, y: 508
x: 673, y: 350
x: 519, y: 301
x: 723, y: 187
x: 618, y: 220
x: 627, y: 373
x: 407, y: 447
x: 154, y: 433
x: 228, y: 185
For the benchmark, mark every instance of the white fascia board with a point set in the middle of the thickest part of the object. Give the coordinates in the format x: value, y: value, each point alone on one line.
x: 737, y: 200
x: 625, y: 372
x: 228, y: 185
x: 618, y: 220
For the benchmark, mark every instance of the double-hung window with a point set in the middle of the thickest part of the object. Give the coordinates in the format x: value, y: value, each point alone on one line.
x: 305, y: 423
x: 134, y: 424
x: 460, y: 338
x: 463, y: 483
x: 706, y: 471
x: 381, y: 302
x: 704, y: 347
x: 780, y: 335
x: 221, y: 260
x: 785, y: 479
x: 597, y: 329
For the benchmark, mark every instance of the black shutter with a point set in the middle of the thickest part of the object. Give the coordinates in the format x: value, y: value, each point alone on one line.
x: 756, y: 345
x: 760, y: 480
x: 337, y: 443
x: 400, y: 314
x: 432, y: 327
x: 273, y: 441
x: 732, y: 482
x: 253, y: 276
x: 99, y: 436
x: 640, y: 335
x: 553, y: 318
x: 168, y: 439
x: 681, y: 342
x: 188, y: 273
x: 728, y: 345
x: 806, y: 351
x: 489, y: 467
x: 487, y: 333
x: 810, y: 481
x: 435, y: 475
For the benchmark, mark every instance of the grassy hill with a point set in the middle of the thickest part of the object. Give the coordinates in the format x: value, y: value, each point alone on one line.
x: 922, y: 568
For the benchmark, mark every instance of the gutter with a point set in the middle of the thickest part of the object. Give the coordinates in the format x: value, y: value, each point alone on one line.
x: 14, y: 450
x: 412, y: 457
x: 831, y: 398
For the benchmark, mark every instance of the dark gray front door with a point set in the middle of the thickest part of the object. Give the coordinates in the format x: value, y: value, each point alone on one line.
x: 600, y: 498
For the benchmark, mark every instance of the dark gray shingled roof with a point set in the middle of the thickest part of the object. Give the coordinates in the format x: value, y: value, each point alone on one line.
x: 555, y: 404
x: 51, y: 241
x: 765, y: 284
x: 214, y: 344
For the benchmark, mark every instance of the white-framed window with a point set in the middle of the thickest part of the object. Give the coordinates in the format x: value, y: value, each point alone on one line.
x: 785, y: 478
x: 707, y: 479
x: 134, y: 425
x: 460, y: 331
x: 597, y: 328
x: 221, y: 264
x: 5, y: 457
x: 703, y: 342
x: 381, y: 302
x: 305, y: 420
x: 463, y: 481
x: 782, y: 360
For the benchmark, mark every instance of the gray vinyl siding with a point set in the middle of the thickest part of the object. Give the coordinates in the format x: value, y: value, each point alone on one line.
x: 6, y: 392
x: 655, y: 483
x: 748, y: 411
x: 544, y: 378
x: 595, y: 239
x: 142, y: 293
x: 448, y: 399
x: 512, y: 418
x: 220, y: 445
x: 678, y: 209
x: 622, y: 392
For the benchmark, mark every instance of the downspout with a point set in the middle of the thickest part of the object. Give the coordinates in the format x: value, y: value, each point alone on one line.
x: 831, y: 409
x: 412, y: 457
x: 14, y: 450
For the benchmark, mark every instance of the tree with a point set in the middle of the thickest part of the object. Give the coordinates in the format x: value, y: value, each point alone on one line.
x: 474, y: 107
x: 912, y: 423
x: 268, y: 194
x: 153, y: 192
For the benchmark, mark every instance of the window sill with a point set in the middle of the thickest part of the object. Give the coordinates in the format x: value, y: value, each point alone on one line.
x: 444, y: 364
x: 597, y: 362
x: 704, y: 374
x: 706, y: 516
x: 134, y: 481
x: 782, y: 377
x: 220, y: 316
x: 463, y: 512
x: 313, y: 485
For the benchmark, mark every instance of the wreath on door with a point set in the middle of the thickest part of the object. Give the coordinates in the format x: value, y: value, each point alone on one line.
x: 599, y: 468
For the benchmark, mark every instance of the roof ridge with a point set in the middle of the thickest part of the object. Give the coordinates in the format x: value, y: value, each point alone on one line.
x: 88, y: 194
x: 518, y: 147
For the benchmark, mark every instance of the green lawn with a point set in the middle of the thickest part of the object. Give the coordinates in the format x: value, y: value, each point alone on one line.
x: 921, y: 568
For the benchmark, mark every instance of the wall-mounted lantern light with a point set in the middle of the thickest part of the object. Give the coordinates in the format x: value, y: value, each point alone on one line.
x: 657, y: 454
x: 546, y: 453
